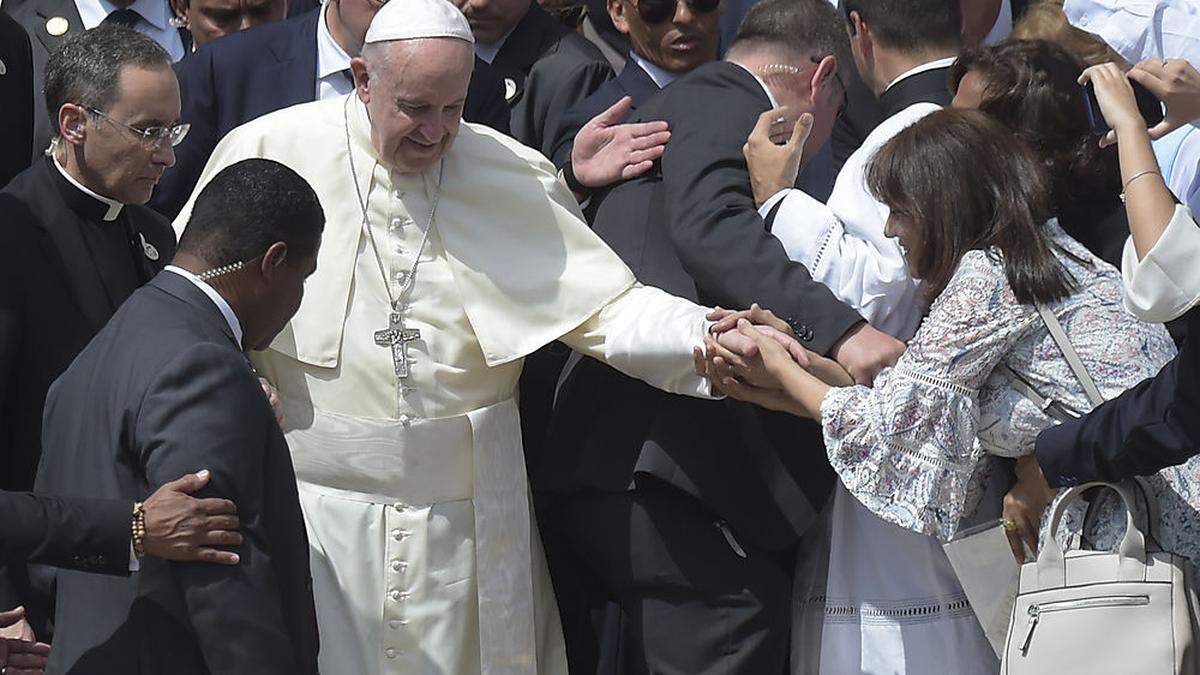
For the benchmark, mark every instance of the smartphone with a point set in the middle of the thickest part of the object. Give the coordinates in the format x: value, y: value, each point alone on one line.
x: 1148, y: 106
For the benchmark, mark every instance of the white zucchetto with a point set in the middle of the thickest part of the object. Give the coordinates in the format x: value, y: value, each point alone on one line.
x: 418, y: 19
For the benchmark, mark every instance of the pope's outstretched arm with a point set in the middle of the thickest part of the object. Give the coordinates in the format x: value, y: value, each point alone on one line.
x: 648, y: 334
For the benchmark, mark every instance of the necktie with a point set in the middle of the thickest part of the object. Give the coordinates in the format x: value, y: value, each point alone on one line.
x: 123, y: 17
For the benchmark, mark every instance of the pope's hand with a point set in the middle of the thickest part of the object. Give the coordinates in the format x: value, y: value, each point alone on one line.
x: 181, y: 527
x: 727, y: 319
x: 273, y: 398
x: 606, y: 152
x: 773, y: 152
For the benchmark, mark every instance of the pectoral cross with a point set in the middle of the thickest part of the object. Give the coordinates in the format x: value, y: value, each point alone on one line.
x: 397, y: 337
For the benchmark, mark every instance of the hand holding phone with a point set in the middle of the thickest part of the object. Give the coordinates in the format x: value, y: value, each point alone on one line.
x: 1113, y: 102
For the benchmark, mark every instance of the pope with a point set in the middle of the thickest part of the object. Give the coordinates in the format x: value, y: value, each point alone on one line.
x: 450, y: 253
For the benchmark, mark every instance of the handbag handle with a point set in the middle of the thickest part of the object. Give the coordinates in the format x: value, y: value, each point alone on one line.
x: 1051, y: 562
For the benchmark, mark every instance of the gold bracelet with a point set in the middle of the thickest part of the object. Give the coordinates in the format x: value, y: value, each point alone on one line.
x: 138, y: 529
x: 1136, y: 176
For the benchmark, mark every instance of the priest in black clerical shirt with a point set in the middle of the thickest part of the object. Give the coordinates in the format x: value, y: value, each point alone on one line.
x: 74, y: 236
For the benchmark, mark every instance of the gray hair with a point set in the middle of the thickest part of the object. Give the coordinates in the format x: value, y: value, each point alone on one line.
x: 86, y: 68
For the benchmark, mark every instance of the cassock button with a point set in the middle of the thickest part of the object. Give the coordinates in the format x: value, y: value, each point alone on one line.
x: 394, y: 595
x: 397, y: 566
x: 400, y: 277
x: 397, y: 535
x: 391, y: 653
x: 406, y: 420
x: 394, y: 624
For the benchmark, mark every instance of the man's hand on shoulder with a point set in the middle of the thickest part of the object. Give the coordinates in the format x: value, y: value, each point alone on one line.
x: 606, y: 152
x: 864, y: 351
x: 183, y: 528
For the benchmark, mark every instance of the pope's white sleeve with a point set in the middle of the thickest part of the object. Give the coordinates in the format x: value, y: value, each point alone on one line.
x: 648, y: 334
x: 867, y: 273
x: 1166, y: 282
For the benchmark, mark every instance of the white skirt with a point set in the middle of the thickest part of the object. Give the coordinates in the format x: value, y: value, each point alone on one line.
x: 891, y: 603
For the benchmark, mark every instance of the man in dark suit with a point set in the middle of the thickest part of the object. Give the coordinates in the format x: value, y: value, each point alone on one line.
x: 689, y: 512
x: 1153, y: 425
x: 165, y: 388
x: 306, y: 58
x: 668, y: 38
x: 983, y: 20
x: 546, y: 67
x: 16, y: 105
x: 76, y: 238
x: 50, y: 22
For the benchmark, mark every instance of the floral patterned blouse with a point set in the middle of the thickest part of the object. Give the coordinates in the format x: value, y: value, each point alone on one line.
x: 915, y: 448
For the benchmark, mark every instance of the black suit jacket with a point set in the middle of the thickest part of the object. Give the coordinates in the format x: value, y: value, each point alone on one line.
x: 162, y: 391
x: 16, y: 106
x: 690, y: 227
x: 91, y: 535
x: 547, y: 69
x: 33, y: 15
x: 632, y: 82
x: 245, y: 75
x: 1153, y: 425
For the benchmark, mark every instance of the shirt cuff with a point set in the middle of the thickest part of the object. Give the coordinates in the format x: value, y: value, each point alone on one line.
x: 1165, y: 283
x: 134, y: 563
x: 765, y: 210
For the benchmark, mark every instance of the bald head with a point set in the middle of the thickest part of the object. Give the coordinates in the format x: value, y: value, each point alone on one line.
x: 414, y: 91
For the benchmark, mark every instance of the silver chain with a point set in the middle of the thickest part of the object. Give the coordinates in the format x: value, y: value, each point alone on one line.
x: 363, y: 203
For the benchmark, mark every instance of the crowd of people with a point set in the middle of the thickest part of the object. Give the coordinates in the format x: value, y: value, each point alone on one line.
x: 622, y: 336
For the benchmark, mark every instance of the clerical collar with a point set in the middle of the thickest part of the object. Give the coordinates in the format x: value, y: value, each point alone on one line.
x: 113, y: 206
x: 226, y: 311
x: 488, y: 51
x: 331, y: 58
x: 762, y: 83
x: 661, y: 76
x: 924, y: 67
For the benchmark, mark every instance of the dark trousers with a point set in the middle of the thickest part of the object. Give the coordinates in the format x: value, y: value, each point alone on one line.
x: 693, y: 598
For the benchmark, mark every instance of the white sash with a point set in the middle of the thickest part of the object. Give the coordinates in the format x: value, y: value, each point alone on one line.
x: 478, y: 456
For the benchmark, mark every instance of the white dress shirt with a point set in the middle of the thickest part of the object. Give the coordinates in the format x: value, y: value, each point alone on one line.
x: 331, y: 61
x: 155, y: 21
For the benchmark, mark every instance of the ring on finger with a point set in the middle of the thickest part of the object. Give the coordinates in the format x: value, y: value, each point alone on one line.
x: 1010, y: 525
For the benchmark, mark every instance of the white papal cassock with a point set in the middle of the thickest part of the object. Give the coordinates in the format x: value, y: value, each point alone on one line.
x: 424, y: 556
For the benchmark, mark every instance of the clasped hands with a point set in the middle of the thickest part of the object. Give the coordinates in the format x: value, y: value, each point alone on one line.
x: 753, y: 356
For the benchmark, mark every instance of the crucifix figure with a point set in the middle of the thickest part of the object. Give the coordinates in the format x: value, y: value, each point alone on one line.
x: 397, y: 337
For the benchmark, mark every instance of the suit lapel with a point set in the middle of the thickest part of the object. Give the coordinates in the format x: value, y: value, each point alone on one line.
x: 49, y: 13
x: 637, y: 83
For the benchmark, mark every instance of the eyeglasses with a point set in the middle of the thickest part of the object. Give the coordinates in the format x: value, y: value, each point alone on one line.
x: 658, y: 11
x: 152, y: 138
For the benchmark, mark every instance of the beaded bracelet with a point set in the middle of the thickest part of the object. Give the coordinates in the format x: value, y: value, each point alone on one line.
x: 138, y: 529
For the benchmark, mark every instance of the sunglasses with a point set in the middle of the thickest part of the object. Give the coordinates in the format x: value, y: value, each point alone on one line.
x: 658, y: 11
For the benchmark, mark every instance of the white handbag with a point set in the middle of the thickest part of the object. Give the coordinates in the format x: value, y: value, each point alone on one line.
x: 1096, y: 612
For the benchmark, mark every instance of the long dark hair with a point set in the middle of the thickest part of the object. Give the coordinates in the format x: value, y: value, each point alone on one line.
x: 1032, y: 87
x: 965, y: 183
